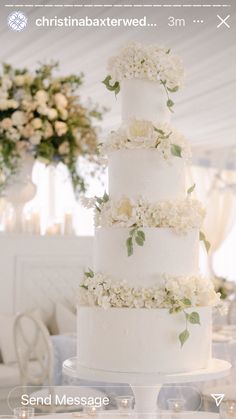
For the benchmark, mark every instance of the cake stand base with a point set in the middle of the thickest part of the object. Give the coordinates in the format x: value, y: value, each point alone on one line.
x: 146, y: 387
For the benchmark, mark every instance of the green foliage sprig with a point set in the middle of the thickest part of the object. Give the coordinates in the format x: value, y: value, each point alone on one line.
x: 100, y: 201
x: 207, y: 244
x: 136, y: 236
x: 112, y: 87
x: 190, y: 318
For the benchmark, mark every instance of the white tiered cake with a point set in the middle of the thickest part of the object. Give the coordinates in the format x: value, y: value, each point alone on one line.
x: 144, y: 308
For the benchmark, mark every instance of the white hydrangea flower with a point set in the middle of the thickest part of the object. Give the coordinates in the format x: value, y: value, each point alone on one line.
x: 145, y: 135
x: 147, y: 62
x: 170, y: 292
x: 181, y: 215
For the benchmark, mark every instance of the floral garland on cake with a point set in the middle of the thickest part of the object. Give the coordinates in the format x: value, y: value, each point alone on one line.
x: 138, y: 134
x: 175, y: 293
x: 42, y: 114
x: 148, y: 62
x: 182, y: 215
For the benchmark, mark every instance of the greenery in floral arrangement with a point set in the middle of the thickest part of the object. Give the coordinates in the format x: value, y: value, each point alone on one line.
x: 42, y: 114
x: 136, y: 236
x: 176, y: 294
x: 207, y: 244
x: 100, y: 201
x: 148, y: 62
x: 190, y: 318
x: 225, y: 287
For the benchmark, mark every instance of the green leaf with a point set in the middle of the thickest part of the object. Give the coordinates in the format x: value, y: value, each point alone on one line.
x: 112, y: 87
x: 84, y: 286
x: 207, y: 244
x: 141, y: 234
x: 183, y: 337
x: 170, y: 104
x: 129, y: 245
x: 139, y: 240
x: 176, y: 150
x: 105, y: 197
x: 132, y: 232
x: 191, y: 189
x: 143, y: 61
x: 160, y: 131
x: 186, y: 302
x: 194, y: 318
x: 173, y: 89
x: 89, y: 273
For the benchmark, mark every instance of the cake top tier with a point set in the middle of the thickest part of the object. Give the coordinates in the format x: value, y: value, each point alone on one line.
x: 146, y: 63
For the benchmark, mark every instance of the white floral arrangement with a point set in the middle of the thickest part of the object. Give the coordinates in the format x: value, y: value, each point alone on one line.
x: 149, y: 62
x: 181, y: 215
x: 173, y: 293
x: 42, y: 114
x: 139, y: 134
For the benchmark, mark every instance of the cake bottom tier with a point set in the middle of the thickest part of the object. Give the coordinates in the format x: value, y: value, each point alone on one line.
x: 142, y: 340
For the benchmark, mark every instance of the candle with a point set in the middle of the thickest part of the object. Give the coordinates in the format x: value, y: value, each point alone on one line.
x: 124, y: 403
x: 176, y: 405
x: 228, y: 409
x: 53, y: 230
x: 91, y: 410
x: 68, y: 225
x: 24, y: 412
x: 35, y: 221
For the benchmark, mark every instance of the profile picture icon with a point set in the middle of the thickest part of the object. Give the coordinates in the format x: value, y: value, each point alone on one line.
x: 17, y: 21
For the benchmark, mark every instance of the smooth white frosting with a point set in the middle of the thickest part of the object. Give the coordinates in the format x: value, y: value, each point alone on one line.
x: 164, y: 252
x: 144, y: 99
x: 142, y: 340
x: 145, y: 173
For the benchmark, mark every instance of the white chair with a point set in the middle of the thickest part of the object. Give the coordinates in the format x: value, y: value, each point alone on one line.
x: 32, y: 341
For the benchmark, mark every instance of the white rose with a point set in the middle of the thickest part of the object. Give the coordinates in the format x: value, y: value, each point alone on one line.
x: 61, y: 128
x: 36, y: 123
x: 12, y: 104
x: 63, y: 114
x: 48, y: 130
x: 42, y: 109
x: 19, y: 80
x: 36, y: 138
x: 6, y: 82
x: 52, y: 113
x: 64, y: 148
x: 28, y: 79
x: 60, y: 100
x: 6, y: 123
x: 18, y: 118
x: 41, y: 96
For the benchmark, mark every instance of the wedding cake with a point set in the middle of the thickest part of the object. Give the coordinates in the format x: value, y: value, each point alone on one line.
x: 144, y: 306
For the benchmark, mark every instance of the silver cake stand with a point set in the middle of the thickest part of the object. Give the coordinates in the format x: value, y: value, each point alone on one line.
x: 146, y: 387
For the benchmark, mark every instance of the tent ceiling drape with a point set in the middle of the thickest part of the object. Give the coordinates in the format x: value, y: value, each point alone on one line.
x: 205, y: 109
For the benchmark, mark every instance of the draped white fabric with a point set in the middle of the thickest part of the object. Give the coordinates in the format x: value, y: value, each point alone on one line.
x: 216, y: 189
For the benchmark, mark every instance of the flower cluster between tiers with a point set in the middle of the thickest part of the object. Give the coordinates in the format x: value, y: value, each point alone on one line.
x: 147, y: 62
x: 139, y: 134
x: 173, y: 293
x: 182, y: 215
